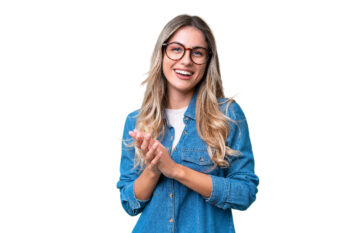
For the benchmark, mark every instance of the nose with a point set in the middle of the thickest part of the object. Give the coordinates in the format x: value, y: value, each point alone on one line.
x: 186, y: 59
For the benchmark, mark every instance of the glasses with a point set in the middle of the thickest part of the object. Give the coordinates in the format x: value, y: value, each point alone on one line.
x: 175, y: 51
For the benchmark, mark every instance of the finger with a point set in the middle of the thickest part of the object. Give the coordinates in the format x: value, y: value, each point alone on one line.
x: 151, y: 143
x: 151, y: 153
x: 145, y: 143
x: 156, y: 159
x: 139, y: 139
x: 132, y: 134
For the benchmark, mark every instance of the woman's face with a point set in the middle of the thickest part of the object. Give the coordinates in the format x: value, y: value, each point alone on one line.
x: 190, y: 37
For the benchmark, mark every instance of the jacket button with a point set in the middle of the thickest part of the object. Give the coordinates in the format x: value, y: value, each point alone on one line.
x: 185, y: 132
x: 171, y: 195
x: 186, y: 118
x: 171, y: 220
x: 201, y: 159
x: 175, y: 149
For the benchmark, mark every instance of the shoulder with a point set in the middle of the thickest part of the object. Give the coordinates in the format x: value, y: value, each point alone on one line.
x: 231, y: 108
x: 134, y: 114
x: 131, y: 118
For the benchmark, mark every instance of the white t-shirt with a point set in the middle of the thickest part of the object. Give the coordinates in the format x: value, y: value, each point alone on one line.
x: 175, y: 119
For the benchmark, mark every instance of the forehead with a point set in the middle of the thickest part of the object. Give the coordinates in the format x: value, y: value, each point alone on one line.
x: 189, y: 36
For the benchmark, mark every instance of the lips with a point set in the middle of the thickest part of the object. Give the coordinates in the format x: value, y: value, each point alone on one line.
x: 183, y: 74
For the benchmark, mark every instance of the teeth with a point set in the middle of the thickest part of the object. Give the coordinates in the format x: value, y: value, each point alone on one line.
x: 183, y: 72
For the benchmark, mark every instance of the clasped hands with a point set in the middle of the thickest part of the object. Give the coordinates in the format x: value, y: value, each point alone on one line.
x: 155, y: 155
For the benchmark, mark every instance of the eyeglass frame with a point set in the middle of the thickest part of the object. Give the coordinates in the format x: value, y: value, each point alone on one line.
x: 165, y: 44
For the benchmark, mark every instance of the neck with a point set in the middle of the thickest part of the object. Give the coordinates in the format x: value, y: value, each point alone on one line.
x: 178, y: 100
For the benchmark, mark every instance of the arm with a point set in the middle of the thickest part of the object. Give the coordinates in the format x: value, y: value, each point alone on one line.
x: 147, y: 181
x: 145, y: 184
x: 238, y: 188
x: 136, y: 187
x: 197, y: 181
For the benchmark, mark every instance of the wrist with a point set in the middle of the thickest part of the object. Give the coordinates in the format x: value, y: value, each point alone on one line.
x: 179, y: 172
x: 152, y: 174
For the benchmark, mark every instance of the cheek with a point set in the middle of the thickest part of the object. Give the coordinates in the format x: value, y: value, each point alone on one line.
x: 201, y: 72
x: 166, y: 66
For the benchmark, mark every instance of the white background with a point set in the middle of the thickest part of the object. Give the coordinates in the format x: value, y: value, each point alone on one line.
x: 71, y: 72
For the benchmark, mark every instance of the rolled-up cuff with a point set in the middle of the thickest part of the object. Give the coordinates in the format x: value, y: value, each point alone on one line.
x: 129, y: 196
x: 219, y: 190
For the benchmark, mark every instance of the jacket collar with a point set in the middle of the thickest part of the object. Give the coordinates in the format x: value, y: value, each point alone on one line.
x: 191, y: 110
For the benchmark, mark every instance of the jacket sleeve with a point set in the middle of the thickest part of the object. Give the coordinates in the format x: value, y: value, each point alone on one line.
x: 128, y: 173
x: 238, y: 188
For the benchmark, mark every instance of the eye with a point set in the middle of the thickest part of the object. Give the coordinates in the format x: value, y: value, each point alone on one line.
x: 175, y: 49
x: 198, y: 53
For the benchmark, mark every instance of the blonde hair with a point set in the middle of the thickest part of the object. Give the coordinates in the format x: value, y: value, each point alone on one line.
x: 213, y: 126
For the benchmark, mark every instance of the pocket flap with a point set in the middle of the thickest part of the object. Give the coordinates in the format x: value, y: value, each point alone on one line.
x: 197, y: 156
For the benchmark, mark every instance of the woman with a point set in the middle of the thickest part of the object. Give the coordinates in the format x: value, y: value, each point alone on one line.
x: 186, y: 157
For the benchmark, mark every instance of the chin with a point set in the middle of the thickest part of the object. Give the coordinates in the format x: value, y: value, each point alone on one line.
x: 183, y: 88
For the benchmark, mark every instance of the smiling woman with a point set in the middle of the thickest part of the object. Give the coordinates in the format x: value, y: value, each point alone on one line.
x: 179, y: 69
x: 186, y: 159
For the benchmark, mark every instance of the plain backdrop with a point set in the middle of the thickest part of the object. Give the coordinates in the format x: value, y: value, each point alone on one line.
x: 71, y: 71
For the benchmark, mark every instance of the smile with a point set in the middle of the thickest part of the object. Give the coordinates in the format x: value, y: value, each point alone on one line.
x: 183, y: 72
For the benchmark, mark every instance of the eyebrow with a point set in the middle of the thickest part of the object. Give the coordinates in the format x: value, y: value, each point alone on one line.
x: 187, y: 47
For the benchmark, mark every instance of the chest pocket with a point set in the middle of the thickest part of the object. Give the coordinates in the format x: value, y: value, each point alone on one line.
x: 197, y: 159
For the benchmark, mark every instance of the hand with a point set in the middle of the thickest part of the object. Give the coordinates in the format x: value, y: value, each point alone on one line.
x: 148, y: 150
x: 166, y: 165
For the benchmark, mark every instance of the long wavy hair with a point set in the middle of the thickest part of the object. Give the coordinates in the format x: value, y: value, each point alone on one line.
x: 212, y: 125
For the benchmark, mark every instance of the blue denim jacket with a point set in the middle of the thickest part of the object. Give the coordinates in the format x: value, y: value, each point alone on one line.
x: 176, y: 208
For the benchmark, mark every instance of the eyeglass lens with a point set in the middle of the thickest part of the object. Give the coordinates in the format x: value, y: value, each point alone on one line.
x: 175, y: 51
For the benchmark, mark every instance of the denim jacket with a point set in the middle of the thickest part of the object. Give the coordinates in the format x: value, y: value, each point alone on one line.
x: 174, y: 207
